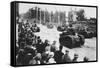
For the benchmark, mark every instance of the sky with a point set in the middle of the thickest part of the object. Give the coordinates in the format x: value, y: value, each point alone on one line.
x: 89, y: 11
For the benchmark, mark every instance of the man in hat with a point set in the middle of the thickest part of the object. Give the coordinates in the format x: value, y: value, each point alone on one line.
x: 86, y: 59
x: 75, y: 57
x: 50, y: 58
x: 66, y: 58
x: 58, y: 55
x: 71, y: 30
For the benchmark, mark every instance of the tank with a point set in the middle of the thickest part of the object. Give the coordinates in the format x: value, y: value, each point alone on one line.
x: 50, y: 26
x: 86, y: 34
x: 71, y: 41
x: 61, y: 28
x: 35, y: 28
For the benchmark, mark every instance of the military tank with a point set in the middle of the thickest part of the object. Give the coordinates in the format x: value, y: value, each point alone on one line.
x: 50, y: 26
x: 71, y: 41
x: 35, y: 28
x: 86, y: 34
x: 61, y: 28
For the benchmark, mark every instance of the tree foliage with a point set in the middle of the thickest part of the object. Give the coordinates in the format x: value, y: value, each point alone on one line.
x: 80, y: 15
x: 45, y: 15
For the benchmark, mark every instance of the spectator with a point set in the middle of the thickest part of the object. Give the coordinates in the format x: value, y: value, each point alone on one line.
x: 47, y: 46
x: 44, y: 57
x: 50, y: 58
x: 58, y: 55
x: 36, y: 59
x: 86, y: 59
x: 53, y: 47
x: 75, y: 58
x: 27, y: 58
x: 66, y: 58
x: 20, y: 56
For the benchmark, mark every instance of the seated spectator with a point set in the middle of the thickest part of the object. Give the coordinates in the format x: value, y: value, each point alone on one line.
x: 29, y: 49
x: 22, y: 45
x: 40, y: 47
x: 50, y: 58
x: 20, y: 56
x: 44, y: 57
x: 36, y: 59
x: 27, y: 58
x: 48, y: 48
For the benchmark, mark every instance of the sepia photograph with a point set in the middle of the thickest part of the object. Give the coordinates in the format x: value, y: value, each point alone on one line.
x: 55, y: 34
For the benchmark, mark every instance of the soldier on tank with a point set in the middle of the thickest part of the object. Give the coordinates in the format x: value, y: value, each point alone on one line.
x: 71, y: 30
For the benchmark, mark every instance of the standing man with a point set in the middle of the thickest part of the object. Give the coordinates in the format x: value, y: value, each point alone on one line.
x: 58, y: 55
x: 75, y: 58
x: 66, y: 58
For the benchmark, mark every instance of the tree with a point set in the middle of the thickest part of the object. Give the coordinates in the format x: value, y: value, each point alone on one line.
x: 31, y: 13
x: 80, y: 15
x: 62, y: 17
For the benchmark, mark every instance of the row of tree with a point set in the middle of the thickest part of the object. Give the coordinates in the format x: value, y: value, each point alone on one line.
x: 55, y: 17
x: 45, y: 15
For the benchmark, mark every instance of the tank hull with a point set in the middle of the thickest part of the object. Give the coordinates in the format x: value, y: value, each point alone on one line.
x: 71, y: 41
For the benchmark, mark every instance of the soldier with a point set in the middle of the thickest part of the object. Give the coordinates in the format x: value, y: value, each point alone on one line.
x: 27, y: 58
x: 58, y: 55
x: 32, y: 28
x: 66, y: 58
x: 40, y: 47
x: 20, y: 26
x: 36, y: 59
x: 30, y: 49
x: 29, y: 39
x: 50, y: 58
x: 86, y: 59
x: 70, y: 30
x: 20, y: 56
x: 53, y: 47
x: 75, y: 57
x: 47, y: 46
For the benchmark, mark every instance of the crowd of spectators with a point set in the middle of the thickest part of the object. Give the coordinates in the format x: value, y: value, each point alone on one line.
x: 31, y: 50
